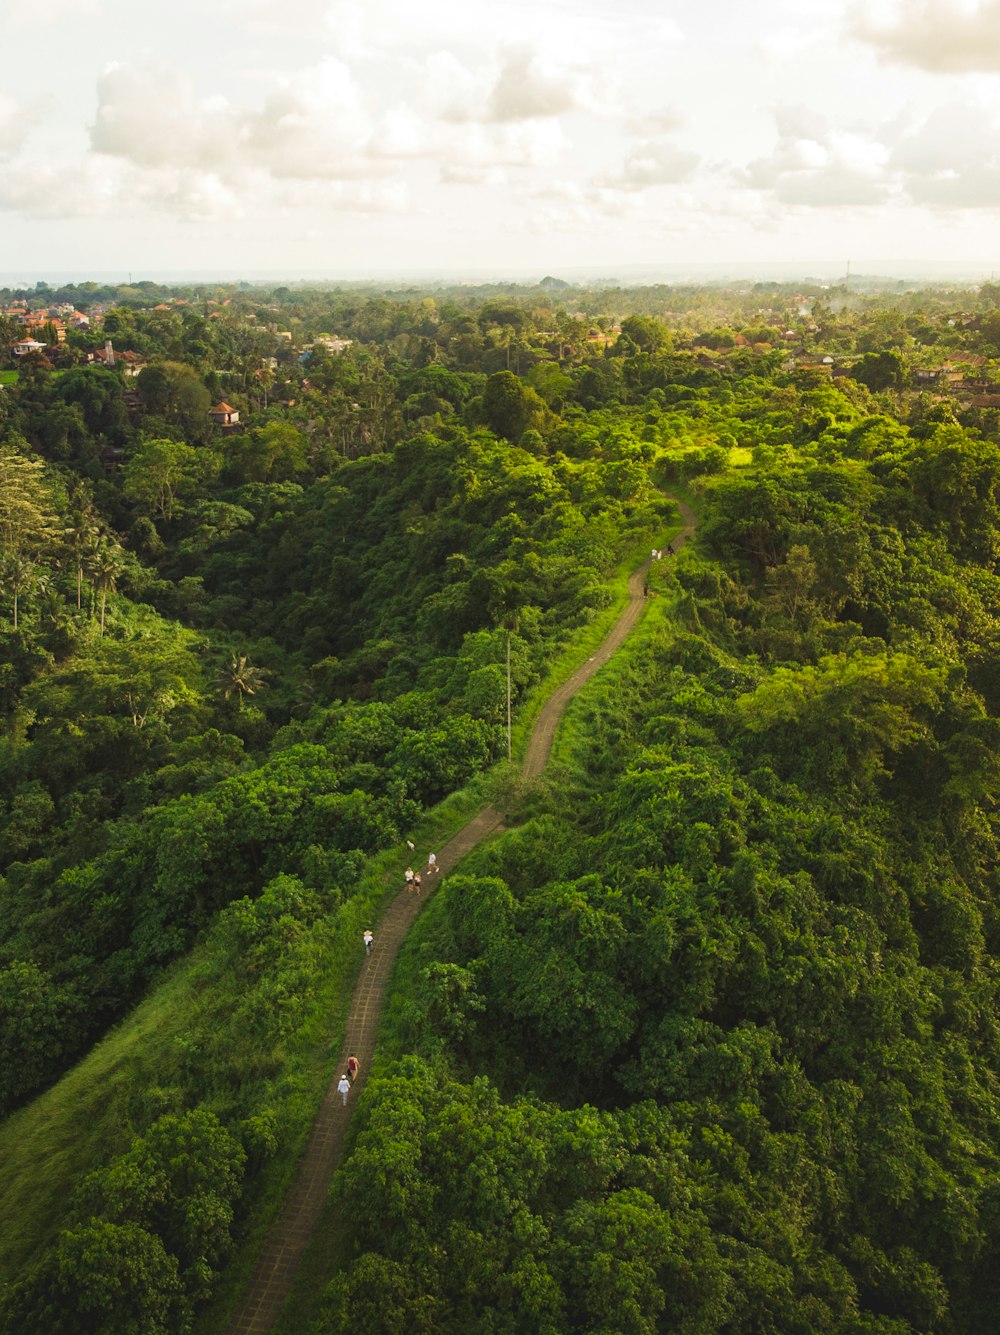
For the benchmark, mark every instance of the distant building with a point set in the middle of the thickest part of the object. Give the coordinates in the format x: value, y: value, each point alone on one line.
x: 223, y: 415
x: 27, y: 346
x: 334, y: 345
x: 131, y: 362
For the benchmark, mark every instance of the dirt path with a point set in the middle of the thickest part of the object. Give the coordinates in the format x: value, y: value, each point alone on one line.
x: 286, y: 1241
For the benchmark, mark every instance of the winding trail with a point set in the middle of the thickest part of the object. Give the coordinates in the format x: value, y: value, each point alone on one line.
x: 274, y: 1272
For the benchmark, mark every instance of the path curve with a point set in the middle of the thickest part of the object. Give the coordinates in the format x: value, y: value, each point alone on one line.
x: 274, y: 1272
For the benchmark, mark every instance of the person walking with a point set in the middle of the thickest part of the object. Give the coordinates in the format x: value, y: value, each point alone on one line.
x: 417, y: 883
x: 408, y: 876
x: 369, y: 941
x: 344, y: 1088
x: 352, y: 1068
x: 432, y: 863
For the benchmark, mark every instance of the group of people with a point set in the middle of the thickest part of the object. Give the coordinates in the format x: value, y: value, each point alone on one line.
x: 348, y: 1078
x: 413, y: 883
x: 413, y: 878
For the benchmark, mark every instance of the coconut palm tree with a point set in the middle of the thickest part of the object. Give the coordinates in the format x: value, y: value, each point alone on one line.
x: 240, y: 677
x: 106, y: 562
x: 82, y: 534
x: 17, y: 573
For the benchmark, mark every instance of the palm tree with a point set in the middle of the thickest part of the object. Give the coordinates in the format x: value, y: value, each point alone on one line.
x: 239, y: 677
x: 106, y: 564
x: 17, y: 574
x: 83, y: 533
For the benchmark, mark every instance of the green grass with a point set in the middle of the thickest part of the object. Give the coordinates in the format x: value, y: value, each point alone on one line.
x: 45, y: 1147
x: 573, y: 735
x: 9, y: 377
x: 588, y: 638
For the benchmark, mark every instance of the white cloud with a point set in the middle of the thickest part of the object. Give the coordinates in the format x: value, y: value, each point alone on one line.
x: 472, y: 173
x: 310, y: 198
x: 651, y: 124
x: 85, y: 189
x: 473, y: 153
x: 287, y: 119
x: 291, y: 16
x: 51, y: 12
x: 400, y: 133
x: 151, y: 116
x: 531, y: 85
x: 952, y: 160
x: 942, y: 36
x: 655, y: 162
x: 815, y: 165
x: 312, y: 126
x: 448, y: 89
x: 17, y: 119
x: 316, y: 125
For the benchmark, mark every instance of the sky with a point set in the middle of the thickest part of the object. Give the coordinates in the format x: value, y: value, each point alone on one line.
x: 529, y: 137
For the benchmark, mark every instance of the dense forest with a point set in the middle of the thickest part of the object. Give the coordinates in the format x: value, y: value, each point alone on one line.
x: 707, y: 1040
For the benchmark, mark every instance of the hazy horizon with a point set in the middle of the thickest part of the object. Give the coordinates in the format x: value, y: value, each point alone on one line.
x: 710, y: 273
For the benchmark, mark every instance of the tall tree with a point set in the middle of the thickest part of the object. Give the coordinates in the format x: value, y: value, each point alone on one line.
x: 158, y: 473
x: 106, y: 564
x: 17, y: 572
x: 27, y: 513
x: 82, y: 535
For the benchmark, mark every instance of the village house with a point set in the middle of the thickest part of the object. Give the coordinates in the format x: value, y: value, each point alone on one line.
x: 223, y: 415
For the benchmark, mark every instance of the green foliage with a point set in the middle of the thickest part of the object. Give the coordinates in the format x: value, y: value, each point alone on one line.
x: 707, y: 1040
x: 34, y: 1015
x: 160, y: 474
x: 103, y: 1278
x: 150, y: 1230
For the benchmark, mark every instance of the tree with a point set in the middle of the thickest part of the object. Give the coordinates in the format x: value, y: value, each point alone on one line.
x: 239, y: 677
x: 179, y: 1181
x: 105, y: 563
x: 99, y: 394
x: 845, y: 716
x: 27, y: 514
x: 159, y: 473
x: 33, y: 1024
x: 510, y: 406
x: 275, y: 453
x: 879, y: 370
x: 102, y: 1279
x: 647, y: 334
x: 17, y: 575
x: 82, y: 535
x: 790, y: 585
x: 505, y: 405
x: 174, y: 392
